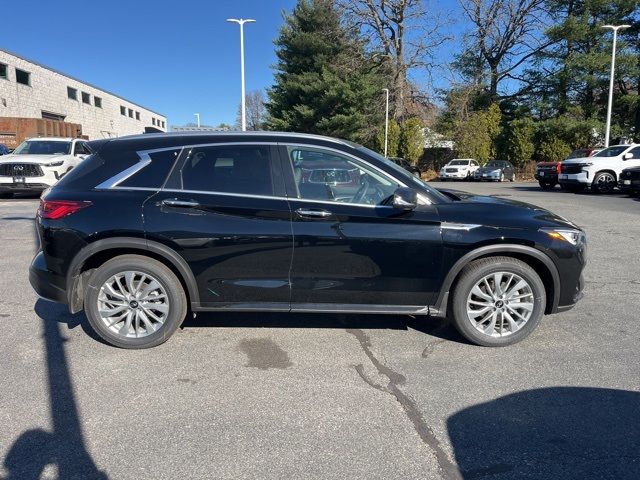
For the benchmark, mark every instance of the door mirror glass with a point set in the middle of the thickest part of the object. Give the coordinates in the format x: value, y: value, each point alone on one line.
x: 405, y: 199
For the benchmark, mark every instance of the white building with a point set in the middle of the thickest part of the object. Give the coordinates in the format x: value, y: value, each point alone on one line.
x: 31, y: 90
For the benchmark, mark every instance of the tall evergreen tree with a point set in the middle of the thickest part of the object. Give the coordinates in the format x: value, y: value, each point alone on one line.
x: 324, y: 82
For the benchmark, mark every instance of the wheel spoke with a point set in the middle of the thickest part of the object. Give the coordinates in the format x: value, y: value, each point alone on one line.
x: 479, y: 293
x: 151, y: 286
x: 128, y: 276
x: 147, y: 323
x: 526, y: 305
x: 108, y: 289
x: 489, y: 329
x: 513, y: 325
x: 477, y: 313
x: 516, y: 288
x: 112, y: 311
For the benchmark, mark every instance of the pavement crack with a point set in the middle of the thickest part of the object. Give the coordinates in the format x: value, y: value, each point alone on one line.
x: 409, y: 406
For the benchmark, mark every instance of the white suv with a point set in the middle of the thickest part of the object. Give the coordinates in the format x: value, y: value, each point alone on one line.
x: 38, y: 163
x: 459, y: 169
x: 601, y: 171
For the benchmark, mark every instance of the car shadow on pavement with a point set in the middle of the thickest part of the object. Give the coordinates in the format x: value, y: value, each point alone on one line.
x: 436, y: 327
x: 559, y: 432
x: 63, y: 447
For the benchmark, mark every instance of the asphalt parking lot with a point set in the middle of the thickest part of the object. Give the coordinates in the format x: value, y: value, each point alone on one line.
x: 327, y: 396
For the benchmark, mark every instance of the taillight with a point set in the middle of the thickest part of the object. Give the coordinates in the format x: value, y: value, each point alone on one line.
x: 558, y: 167
x: 57, y: 209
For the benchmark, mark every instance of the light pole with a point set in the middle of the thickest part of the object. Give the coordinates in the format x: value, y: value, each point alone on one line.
x: 197, y: 119
x: 615, y: 29
x: 241, y: 22
x: 386, y: 123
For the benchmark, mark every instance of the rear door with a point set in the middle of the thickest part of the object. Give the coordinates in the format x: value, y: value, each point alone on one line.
x: 223, y: 210
x: 352, y: 252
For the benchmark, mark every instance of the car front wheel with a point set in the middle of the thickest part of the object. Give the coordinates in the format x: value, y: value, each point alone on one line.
x: 133, y: 301
x: 603, y: 182
x: 498, y: 301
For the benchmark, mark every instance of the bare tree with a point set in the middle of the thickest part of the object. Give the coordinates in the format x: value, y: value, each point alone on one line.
x: 256, y: 111
x: 506, y: 34
x: 404, y: 33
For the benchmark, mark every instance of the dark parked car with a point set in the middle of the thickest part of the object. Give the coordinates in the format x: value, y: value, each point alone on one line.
x: 4, y: 150
x: 547, y: 174
x: 406, y: 165
x: 149, y: 227
x: 497, y: 171
x: 630, y: 181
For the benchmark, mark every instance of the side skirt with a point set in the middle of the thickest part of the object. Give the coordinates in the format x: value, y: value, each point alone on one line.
x: 320, y: 308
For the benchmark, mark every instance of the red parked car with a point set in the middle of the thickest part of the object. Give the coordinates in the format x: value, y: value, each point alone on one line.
x: 547, y: 172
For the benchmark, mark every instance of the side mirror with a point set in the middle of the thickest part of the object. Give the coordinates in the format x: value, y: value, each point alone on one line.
x: 627, y: 156
x: 405, y: 199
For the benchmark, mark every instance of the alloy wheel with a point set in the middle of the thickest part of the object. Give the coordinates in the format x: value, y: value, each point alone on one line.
x: 133, y: 304
x: 605, y: 182
x: 500, y: 304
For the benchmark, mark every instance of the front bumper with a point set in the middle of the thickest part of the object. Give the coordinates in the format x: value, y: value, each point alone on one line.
x: 47, y: 284
x: 453, y: 175
x: 629, y: 185
x: 487, y: 176
x: 577, y: 296
x: 546, y: 177
x: 23, y: 187
x: 581, y: 178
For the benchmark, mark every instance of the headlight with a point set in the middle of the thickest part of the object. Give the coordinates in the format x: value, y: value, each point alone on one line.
x: 586, y: 164
x: 54, y: 164
x: 565, y: 234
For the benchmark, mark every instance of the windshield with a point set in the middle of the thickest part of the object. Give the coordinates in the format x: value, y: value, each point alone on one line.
x: 406, y: 177
x: 611, y: 151
x: 494, y: 165
x: 43, y: 147
x: 459, y: 162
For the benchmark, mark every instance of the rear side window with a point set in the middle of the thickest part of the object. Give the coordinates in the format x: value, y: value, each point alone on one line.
x: 243, y: 169
x: 154, y: 174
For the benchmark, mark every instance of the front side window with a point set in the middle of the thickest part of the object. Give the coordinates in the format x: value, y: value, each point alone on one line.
x: 611, y: 151
x: 326, y: 175
x: 80, y: 149
x: 43, y: 147
x: 240, y: 169
x: 635, y: 152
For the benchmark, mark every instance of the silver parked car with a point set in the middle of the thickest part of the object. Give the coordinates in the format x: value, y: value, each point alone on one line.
x: 497, y: 171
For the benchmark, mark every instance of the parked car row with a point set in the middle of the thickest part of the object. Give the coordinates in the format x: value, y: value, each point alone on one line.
x: 599, y: 171
x: 470, y: 169
x: 38, y: 163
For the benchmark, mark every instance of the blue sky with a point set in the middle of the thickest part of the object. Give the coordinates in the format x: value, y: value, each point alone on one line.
x: 173, y: 57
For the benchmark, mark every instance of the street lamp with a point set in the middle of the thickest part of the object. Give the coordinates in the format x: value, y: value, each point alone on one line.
x: 386, y: 123
x: 197, y: 119
x: 615, y: 29
x: 241, y: 22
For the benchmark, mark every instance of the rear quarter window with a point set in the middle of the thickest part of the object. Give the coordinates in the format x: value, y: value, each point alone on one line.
x: 154, y: 174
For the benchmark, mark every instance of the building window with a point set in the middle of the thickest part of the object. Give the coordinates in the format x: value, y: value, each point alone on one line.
x: 23, y: 77
x: 137, y: 115
x: 72, y: 93
x: 3, y: 71
x: 52, y: 116
x: 153, y: 121
x: 97, y: 101
x: 86, y: 98
x: 123, y: 110
x: 163, y: 124
x: 130, y: 113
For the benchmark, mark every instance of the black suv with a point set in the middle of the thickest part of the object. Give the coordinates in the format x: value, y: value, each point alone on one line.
x: 150, y: 227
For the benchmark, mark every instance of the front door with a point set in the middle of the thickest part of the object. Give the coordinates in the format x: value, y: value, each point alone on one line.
x: 351, y: 250
x: 223, y: 210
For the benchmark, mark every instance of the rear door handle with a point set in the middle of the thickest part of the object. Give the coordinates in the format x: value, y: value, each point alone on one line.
x: 313, y: 213
x: 173, y: 202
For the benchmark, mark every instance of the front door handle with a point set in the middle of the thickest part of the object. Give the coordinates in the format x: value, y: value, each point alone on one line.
x: 313, y: 213
x: 173, y: 202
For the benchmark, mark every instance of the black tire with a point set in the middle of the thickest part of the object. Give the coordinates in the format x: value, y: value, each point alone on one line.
x: 472, y: 274
x: 599, y: 186
x: 546, y: 185
x: 174, y: 290
x: 417, y: 174
x: 501, y: 177
x: 513, y: 178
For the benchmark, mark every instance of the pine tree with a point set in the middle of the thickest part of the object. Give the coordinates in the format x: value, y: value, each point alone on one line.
x: 324, y: 82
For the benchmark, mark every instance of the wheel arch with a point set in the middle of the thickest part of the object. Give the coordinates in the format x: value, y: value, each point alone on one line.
x: 100, y: 251
x: 539, y: 261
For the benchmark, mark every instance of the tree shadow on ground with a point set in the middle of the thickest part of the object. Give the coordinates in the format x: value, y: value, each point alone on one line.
x: 561, y: 432
x: 63, y: 447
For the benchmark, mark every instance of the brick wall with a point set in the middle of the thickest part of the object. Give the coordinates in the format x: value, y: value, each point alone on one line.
x: 48, y: 92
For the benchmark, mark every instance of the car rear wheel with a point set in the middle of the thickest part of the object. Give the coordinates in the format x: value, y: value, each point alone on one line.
x: 603, y: 182
x: 513, y: 177
x: 498, y: 301
x: 501, y: 177
x: 136, y: 302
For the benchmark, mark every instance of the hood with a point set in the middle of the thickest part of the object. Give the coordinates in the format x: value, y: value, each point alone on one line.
x: 578, y: 160
x: 498, y: 212
x: 39, y: 159
x: 488, y: 169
